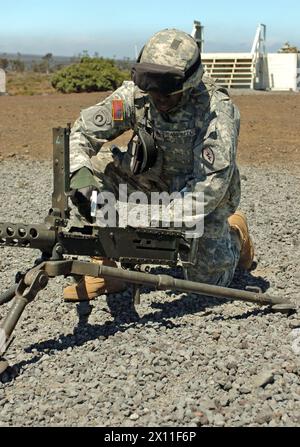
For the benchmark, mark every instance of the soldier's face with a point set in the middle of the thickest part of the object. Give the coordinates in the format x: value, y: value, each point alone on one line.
x: 164, y: 103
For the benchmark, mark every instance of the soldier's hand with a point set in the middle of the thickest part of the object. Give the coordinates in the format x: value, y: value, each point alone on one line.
x: 82, y: 194
x: 121, y: 160
x: 82, y: 184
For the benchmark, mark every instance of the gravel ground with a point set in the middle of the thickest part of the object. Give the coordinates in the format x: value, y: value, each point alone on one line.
x: 178, y: 360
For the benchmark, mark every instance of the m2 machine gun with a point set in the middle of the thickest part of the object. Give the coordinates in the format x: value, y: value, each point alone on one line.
x: 131, y: 247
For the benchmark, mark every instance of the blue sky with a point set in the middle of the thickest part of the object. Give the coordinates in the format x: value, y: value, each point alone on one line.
x: 117, y: 28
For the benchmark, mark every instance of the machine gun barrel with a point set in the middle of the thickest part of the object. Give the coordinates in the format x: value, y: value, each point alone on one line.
x: 37, y: 236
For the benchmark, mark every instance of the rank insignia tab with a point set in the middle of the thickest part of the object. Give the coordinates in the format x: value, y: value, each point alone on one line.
x: 118, y: 110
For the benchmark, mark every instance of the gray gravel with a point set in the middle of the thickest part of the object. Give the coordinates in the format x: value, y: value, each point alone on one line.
x: 178, y: 360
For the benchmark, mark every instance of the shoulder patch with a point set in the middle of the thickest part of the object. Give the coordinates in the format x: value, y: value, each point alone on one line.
x: 208, y: 155
x: 118, y: 109
x: 101, y: 118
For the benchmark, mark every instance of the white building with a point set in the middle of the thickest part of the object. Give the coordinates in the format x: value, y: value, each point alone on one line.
x: 255, y: 70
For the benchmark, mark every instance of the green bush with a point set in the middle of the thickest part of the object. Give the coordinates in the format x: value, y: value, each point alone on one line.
x: 91, y: 74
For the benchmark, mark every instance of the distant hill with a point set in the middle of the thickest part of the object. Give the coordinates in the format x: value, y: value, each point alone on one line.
x: 28, y: 59
x: 57, y: 61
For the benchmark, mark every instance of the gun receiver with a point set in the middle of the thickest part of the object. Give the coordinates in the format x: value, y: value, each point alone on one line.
x: 128, y: 245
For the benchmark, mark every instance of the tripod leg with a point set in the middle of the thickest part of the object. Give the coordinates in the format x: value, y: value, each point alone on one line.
x: 9, y: 323
x: 8, y: 295
x: 24, y: 294
x: 7, y: 327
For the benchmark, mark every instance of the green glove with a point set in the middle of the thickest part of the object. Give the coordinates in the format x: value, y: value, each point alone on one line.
x: 82, y: 184
x: 83, y: 178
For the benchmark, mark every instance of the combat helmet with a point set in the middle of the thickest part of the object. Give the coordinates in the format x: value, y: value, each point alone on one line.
x: 169, y: 62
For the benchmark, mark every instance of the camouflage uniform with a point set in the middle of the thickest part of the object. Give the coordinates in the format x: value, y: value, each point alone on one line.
x: 196, y: 142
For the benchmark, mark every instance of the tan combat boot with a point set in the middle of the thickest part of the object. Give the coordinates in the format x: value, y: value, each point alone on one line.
x: 238, y: 222
x: 90, y: 287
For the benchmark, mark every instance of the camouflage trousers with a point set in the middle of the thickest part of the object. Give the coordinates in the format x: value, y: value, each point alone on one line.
x: 217, y: 258
x: 219, y: 248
